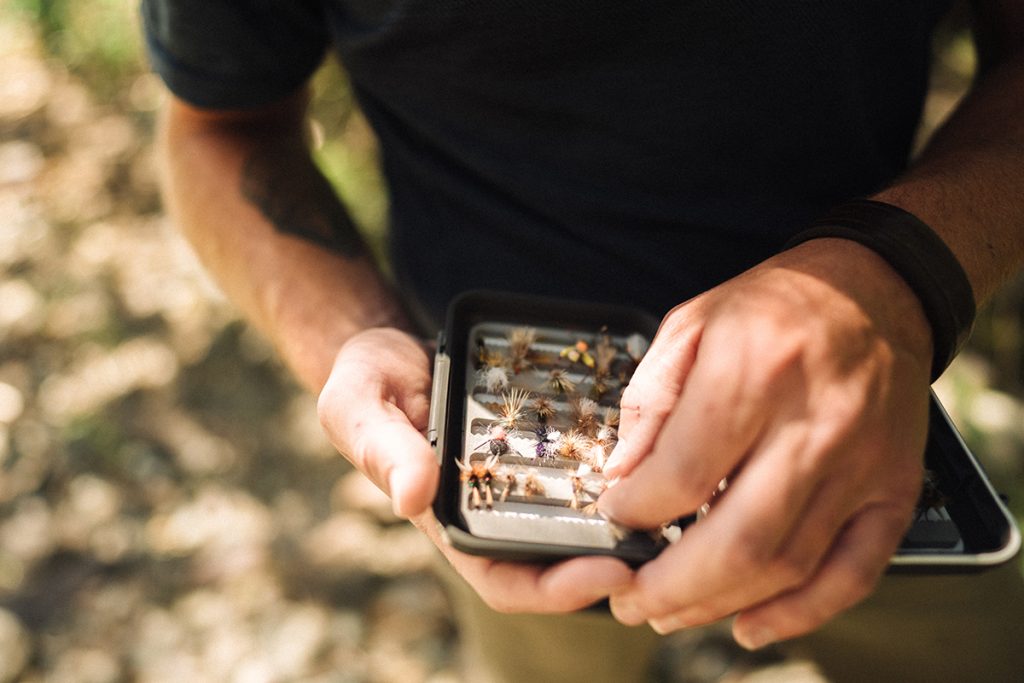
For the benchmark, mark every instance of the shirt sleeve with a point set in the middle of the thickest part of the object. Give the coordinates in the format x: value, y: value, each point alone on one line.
x: 234, y: 54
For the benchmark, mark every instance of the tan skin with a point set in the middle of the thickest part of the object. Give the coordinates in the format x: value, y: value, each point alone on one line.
x: 805, y: 379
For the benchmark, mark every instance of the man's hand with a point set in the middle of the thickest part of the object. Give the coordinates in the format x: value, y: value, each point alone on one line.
x: 374, y: 409
x: 804, y: 382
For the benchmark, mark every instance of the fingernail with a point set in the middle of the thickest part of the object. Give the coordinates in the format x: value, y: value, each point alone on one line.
x: 665, y: 625
x: 627, y: 611
x: 613, y: 461
x: 606, y: 510
x: 755, y: 638
x: 606, y: 590
x: 397, y: 483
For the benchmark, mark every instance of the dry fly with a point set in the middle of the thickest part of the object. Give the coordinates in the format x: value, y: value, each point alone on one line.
x: 497, y: 440
x: 584, y: 413
x: 488, y: 358
x: 931, y: 497
x: 511, y: 484
x: 493, y: 372
x: 591, y: 507
x: 572, y: 445
x: 595, y: 455
x: 577, y: 491
x: 533, y: 486
x: 604, y: 356
x: 581, y: 493
x: 578, y: 353
x: 547, y: 439
x: 560, y: 383
x: 479, y: 478
x: 520, y: 343
x: 544, y: 408
x: 608, y: 433
x: 513, y: 408
x: 493, y: 379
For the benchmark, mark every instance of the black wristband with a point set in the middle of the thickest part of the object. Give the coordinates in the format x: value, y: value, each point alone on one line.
x: 920, y: 257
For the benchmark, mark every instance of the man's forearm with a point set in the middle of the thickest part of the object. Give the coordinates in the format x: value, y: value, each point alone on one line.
x: 267, y: 225
x: 968, y: 185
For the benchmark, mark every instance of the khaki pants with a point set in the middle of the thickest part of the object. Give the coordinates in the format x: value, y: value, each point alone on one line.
x: 934, y: 628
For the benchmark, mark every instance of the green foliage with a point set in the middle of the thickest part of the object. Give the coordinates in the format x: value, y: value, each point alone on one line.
x: 98, y: 40
x: 346, y: 152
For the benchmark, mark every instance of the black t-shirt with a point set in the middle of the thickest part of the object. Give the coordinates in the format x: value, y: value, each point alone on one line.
x: 632, y: 152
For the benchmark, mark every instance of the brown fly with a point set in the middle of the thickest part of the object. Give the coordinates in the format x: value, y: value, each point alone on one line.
x: 479, y: 478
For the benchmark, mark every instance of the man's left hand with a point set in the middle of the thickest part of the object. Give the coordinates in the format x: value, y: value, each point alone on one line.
x: 804, y: 382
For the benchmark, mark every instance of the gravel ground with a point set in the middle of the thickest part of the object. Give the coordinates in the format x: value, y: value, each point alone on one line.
x: 169, y: 510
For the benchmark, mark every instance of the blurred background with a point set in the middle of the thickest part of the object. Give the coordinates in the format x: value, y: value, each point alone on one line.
x: 169, y: 510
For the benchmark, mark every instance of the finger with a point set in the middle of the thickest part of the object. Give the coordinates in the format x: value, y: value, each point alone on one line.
x: 713, y: 425
x: 564, y: 587
x: 380, y: 440
x: 374, y: 409
x: 847, y: 576
x: 651, y: 394
x: 775, y: 549
x: 735, y: 551
x: 519, y: 587
x: 396, y: 457
x: 782, y: 513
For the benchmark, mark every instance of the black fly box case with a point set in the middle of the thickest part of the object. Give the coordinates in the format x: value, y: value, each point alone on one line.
x: 960, y: 524
x: 524, y: 412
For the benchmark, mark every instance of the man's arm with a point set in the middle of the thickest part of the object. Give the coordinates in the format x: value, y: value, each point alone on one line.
x: 266, y: 224
x: 968, y: 183
x: 243, y: 188
x: 805, y: 382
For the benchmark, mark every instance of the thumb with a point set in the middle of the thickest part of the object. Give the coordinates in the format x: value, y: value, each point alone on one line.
x: 651, y: 395
x: 370, y: 408
x: 378, y: 438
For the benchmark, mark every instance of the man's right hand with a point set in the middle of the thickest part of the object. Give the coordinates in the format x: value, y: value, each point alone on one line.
x: 374, y: 408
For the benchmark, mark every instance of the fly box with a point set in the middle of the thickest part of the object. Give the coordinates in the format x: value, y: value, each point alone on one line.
x: 524, y: 412
x: 960, y: 524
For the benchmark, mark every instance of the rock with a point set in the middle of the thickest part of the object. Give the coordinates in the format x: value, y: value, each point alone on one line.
x: 20, y: 162
x: 11, y: 403
x: 23, y: 310
x: 86, y: 665
x: 24, y: 86
x: 357, y: 493
x: 15, y: 647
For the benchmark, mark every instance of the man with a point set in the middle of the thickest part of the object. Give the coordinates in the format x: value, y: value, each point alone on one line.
x: 649, y: 153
